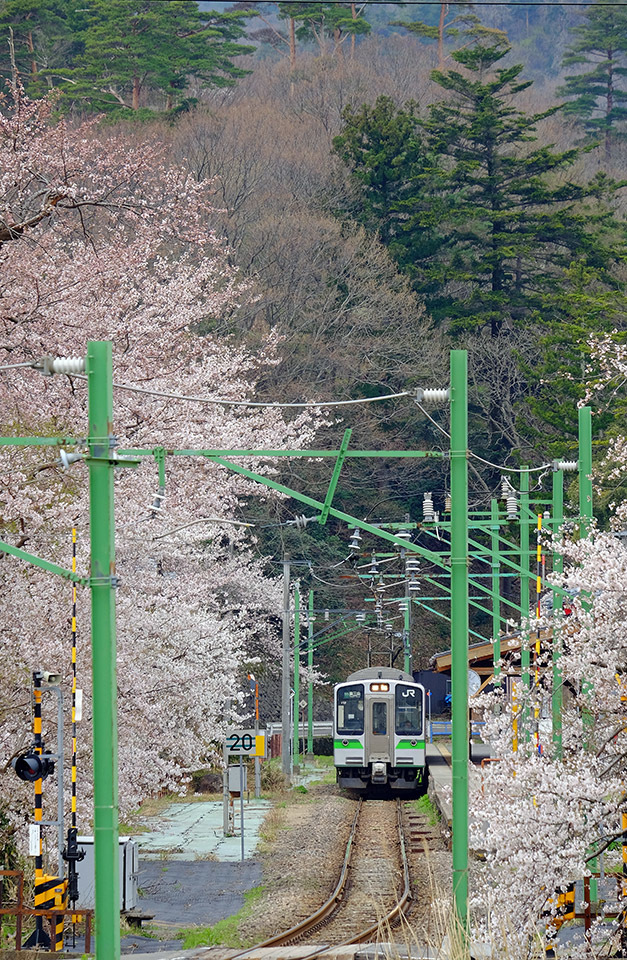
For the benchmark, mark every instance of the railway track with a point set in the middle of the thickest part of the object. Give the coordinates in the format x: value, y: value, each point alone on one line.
x: 372, y: 892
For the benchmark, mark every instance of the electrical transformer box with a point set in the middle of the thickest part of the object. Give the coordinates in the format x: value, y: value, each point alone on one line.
x: 129, y: 873
x: 238, y: 778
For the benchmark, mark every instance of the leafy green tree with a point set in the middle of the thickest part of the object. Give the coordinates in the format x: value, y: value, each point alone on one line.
x: 598, y: 93
x: 143, y: 54
x: 429, y: 31
x: 560, y: 366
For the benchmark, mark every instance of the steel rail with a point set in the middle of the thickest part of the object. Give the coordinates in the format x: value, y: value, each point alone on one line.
x: 324, y: 911
x: 395, y: 912
x: 328, y: 908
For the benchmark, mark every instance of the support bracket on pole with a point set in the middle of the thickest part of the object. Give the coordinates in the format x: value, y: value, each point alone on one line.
x: 324, y: 513
x: 44, y: 564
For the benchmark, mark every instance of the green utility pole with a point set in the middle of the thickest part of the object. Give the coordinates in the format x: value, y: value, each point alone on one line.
x: 285, y: 670
x: 310, y: 633
x: 558, y: 566
x: 296, y: 731
x: 496, y: 596
x: 585, y: 526
x: 459, y: 628
x: 100, y: 443
x: 585, y: 469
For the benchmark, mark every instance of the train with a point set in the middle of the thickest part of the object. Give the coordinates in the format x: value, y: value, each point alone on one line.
x: 379, y: 731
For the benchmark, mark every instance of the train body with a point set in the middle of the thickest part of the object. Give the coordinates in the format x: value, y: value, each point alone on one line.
x: 379, y: 730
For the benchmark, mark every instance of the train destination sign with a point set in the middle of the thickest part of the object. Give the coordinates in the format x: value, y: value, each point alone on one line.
x: 245, y: 743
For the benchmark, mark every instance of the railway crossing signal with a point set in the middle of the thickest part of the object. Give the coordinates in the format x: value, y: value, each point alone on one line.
x: 31, y: 766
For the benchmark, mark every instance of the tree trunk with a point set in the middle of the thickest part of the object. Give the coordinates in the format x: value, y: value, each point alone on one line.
x: 337, y: 36
x: 354, y: 16
x: 31, y: 50
x: 441, y: 37
x: 136, y: 86
x: 609, y: 105
x: 292, y: 43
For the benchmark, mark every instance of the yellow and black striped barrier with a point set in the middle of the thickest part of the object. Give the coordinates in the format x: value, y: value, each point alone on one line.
x: 50, y: 892
x: 565, y: 911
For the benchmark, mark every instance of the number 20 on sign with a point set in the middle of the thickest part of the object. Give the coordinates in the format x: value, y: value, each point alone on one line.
x: 245, y: 743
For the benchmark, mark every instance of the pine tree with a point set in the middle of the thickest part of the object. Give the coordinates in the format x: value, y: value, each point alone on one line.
x: 488, y: 226
x: 322, y: 21
x: 598, y: 94
x: 144, y: 54
x: 508, y: 232
x: 384, y: 148
x: 42, y: 35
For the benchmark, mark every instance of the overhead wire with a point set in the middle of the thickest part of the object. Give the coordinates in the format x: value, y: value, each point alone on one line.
x: 222, y: 401
x: 498, y: 466
x: 309, y: 404
x: 14, y: 366
x: 452, y: 3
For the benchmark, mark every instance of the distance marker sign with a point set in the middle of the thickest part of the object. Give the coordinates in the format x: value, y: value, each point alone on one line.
x: 245, y: 743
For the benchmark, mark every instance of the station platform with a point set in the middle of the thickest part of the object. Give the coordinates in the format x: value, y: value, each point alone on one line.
x: 438, y: 757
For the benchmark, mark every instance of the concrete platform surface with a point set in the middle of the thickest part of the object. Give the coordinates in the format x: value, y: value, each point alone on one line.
x: 194, y: 831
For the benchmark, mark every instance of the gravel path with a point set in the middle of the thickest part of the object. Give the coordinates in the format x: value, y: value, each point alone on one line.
x: 304, y: 858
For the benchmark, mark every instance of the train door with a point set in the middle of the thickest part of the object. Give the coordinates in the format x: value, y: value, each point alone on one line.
x: 379, y: 729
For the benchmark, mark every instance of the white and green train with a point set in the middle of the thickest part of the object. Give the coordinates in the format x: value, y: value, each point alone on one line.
x: 379, y: 730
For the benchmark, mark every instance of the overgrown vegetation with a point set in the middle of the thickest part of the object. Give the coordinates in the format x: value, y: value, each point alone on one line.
x: 224, y: 932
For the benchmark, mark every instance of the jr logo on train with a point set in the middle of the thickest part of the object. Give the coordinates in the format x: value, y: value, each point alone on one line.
x: 378, y: 732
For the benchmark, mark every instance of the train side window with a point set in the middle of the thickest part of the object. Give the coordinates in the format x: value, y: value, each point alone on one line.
x: 408, y: 709
x: 379, y: 718
x: 350, y: 709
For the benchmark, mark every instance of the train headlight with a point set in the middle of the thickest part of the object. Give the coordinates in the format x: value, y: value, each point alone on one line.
x: 379, y: 687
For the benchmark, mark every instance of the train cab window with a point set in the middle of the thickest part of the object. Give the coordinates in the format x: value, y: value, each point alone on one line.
x: 350, y: 709
x: 408, y: 710
x: 379, y: 718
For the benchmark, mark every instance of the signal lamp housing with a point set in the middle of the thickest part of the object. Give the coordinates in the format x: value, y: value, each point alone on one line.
x: 31, y: 766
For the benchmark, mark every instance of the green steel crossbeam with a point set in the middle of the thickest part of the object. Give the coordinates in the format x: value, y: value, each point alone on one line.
x: 445, y: 616
x: 473, y: 603
x: 339, y: 514
x: 264, y: 454
x: 39, y: 442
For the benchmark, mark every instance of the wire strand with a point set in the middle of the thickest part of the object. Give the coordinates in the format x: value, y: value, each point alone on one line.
x: 498, y: 466
x: 14, y: 366
x: 250, y: 403
x: 454, y: 3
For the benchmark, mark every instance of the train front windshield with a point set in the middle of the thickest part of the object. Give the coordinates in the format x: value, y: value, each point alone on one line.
x: 408, y: 710
x: 350, y: 709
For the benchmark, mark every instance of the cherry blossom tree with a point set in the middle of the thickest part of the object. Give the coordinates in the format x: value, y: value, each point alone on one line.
x: 100, y: 238
x: 551, y: 806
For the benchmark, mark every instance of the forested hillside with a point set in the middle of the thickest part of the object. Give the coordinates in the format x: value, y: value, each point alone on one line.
x: 387, y: 182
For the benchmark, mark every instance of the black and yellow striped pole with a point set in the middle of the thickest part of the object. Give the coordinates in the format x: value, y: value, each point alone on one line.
x: 624, y: 887
x: 39, y: 938
x: 72, y: 854
x: 74, y: 679
x: 565, y: 911
x: 538, y: 614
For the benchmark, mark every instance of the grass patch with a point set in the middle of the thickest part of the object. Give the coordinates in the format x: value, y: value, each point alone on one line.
x: 274, y: 821
x: 321, y: 761
x: 424, y: 806
x: 224, y: 932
